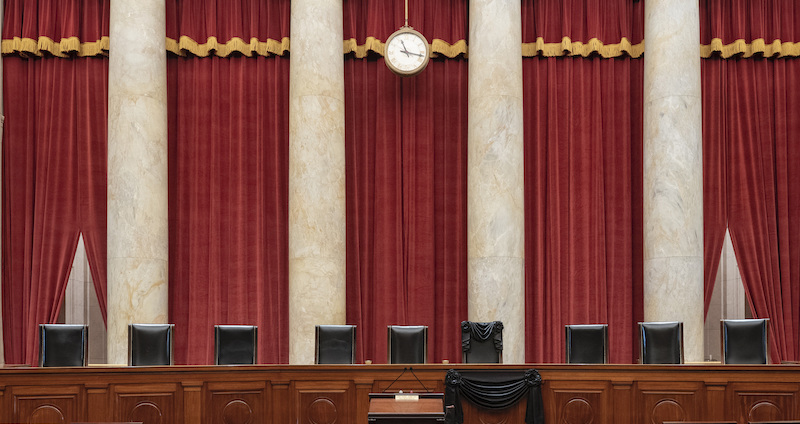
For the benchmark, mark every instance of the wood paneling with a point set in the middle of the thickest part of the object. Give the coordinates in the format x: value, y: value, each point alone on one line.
x: 572, y: 394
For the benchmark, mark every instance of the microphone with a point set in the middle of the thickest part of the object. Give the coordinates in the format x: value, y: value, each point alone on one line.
x: 395, y: 380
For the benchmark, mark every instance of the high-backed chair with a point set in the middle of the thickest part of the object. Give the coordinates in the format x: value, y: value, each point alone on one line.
x: 235, y: 344
x: 586, y: 343
x: 482, y: 342
x: 335, y: 344
x: 744, y: 341
x: 661, y: 342
x: 408, y: 344
x: 63, y: 345
x: 150, y: 344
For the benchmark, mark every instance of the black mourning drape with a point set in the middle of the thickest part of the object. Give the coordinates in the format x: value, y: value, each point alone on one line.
x: 493, y: 390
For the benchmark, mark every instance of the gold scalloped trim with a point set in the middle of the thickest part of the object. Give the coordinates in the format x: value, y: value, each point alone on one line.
x: 234, y: 45
x: 372, y: 44
x: 757, y: 46
x: 66, y: 47
x: 567, y: 47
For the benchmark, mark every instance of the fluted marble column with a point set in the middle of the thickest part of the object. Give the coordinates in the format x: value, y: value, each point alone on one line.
x: 495, y: 172
x: 673, y: 170
x: 137, y: 170
x: 316, y: 173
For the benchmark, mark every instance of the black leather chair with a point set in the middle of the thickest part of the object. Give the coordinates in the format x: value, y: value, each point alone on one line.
x: 150, y: 344
x: 335, y: 344
x: 744, y: 341
x: 661, y: 342
x: 482, y: 342
x: 408, y: 344
x: 236, y: 344
x: 586, y: 343
x: 63, y: 345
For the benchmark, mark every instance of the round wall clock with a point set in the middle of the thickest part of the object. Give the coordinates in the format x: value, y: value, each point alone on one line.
x: 406, y: 52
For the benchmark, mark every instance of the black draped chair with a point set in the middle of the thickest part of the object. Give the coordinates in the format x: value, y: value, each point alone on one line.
x: 63, y: 345
x: 482, y: 342
x: 150, y: 344
x: 408, y: 344
x: 744, y: 341
x: 586, y: 343
x: 661, y: 342
x: 493, y: 389
x: 236, y: 344
x: 335, y: 344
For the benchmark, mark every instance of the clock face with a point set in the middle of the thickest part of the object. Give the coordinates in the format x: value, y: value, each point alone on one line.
x: 406, y: 52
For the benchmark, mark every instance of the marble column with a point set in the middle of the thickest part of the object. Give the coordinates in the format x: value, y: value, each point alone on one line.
x: 316, y: 174
x: 673, y: 170
x: 495, y: 222
x: 137, y: 170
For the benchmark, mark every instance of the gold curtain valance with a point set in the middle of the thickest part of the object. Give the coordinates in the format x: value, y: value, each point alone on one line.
x: 64, y: 48
x: 567, y: 47
x: 743, y: 49
x: 374, y: 45
x: 254, y: 47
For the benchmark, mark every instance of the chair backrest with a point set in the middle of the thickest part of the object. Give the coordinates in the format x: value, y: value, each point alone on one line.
x: 482, y: 342
x: 235, y: 344
x: 744, y: 341
x: 408, y: 344
x: 63, y: 345
x: 586, y: 343
x: 335, y: 344
x: 661, y: 342
x: 150, y: 344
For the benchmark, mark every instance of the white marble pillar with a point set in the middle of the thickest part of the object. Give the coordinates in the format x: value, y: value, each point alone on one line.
x: 316, y: 174
x: 495, y: 222
x: 137, y: 170
x: 673, y: 170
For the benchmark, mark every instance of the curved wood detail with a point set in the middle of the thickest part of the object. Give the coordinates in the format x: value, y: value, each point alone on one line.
x: 765, y: 411
x: 322, y: 411
x: 237, y: 412
x: 667, y: 410
x: 49, y: 414
x: 578, y: 411
x: 146, y: 413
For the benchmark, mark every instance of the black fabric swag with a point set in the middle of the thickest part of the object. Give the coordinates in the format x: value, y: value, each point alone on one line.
x: 493, y: 390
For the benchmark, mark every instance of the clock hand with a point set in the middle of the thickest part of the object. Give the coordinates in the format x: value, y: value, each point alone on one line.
x: 405, y: 49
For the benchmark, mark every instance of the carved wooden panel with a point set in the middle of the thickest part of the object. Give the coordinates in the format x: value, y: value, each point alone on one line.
x: 236, y: 403
x: 324, y: 402
x: 578, y: 403
x: 47, y: 404
x: 765, y: 401
x: 671, y: 401
x: 477, y: 415
x: 148, y: 404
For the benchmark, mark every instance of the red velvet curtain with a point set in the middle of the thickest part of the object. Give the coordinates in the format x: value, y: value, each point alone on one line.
x: 406, y: 162
x: 54, y: 162
x: 583, y: 177
x: 228, y: 182
x: 750, y: 157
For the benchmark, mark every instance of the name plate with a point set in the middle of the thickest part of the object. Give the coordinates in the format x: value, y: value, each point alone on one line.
x: 406, y: 397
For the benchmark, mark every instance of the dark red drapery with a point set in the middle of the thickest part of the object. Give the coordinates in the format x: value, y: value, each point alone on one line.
x: 750, y: 157
x: 583, y: 177
x: 228, y: 182
x: 406, y: 182
x: 54, y: 162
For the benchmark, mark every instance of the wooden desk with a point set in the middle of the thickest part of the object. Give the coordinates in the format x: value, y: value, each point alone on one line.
x: 620, y: 394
